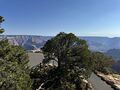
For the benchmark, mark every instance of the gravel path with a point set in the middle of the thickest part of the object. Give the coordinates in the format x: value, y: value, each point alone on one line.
x: 99, y: 84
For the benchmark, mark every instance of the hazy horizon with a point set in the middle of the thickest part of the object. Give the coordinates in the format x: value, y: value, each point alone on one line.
x: 49, y: 17
x: 56, y: 34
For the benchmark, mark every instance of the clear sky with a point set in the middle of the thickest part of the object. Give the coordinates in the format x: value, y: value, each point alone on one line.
x: 49, y: 17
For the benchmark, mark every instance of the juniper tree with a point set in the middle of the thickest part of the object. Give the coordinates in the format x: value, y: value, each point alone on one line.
x: 73, y: 63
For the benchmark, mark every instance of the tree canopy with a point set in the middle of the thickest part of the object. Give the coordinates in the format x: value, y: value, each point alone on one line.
x: 14, y: 69
x: 13, y: 77
x: 102, y: 62
x: 68, y: 51
x: 1, y: 20
x: 73, y: 63
x: 65, y: 48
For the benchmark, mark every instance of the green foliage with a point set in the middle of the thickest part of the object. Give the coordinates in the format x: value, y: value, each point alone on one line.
x: 14, y: 70
x: 66, y: 49
x: 102, y: 62
x: 13, y: 53
x: 1, y: 30
x: 73, y: 64
x: 52, y: 78
x: 1, y: 20
x: 40, y: 74
x: 12, y: 77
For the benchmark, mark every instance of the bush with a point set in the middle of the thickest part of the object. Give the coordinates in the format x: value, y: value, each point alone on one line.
x: 14, y: 69
x: 107, y: 70
x: 12, y: 77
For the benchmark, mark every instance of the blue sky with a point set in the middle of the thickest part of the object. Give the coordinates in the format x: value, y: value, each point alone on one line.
x: 49, y: 17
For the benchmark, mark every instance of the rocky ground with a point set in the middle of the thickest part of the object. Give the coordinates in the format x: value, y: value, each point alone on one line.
x: 111, y: 79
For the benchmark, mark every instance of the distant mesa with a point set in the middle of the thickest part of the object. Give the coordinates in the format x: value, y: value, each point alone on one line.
x: 31, y: 42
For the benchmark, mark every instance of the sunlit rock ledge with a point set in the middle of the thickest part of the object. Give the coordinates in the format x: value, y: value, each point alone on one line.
x: 111, y: 79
